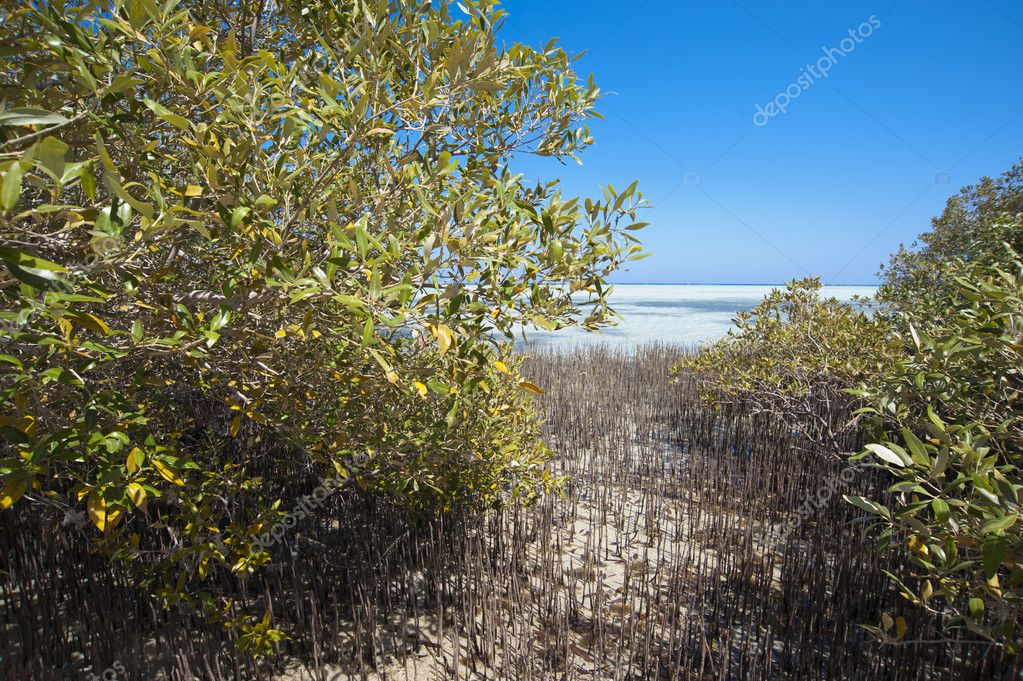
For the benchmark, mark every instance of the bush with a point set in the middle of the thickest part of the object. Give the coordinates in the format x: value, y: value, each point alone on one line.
x: 795, y: 355
x: 243, y: 250
x: 937, y: 372
x: 952, y: 429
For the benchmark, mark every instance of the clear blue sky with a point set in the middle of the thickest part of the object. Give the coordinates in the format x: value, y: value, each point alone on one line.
x: 928, y: 101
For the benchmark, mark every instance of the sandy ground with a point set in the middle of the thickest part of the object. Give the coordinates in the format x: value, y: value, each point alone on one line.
x: 598, y: 557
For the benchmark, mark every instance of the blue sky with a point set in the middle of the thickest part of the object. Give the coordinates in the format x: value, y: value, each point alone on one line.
x: 927, y: 100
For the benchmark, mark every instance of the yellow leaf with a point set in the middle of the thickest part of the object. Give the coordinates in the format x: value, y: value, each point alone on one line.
x: 531, y: 387
x: 27, y: 425
x: 91, y: 322
x: 132, y: 462
x: 12, y: 492
x: 342, y: 472
x: 193, y: 190
x: 168, y: 473
x: 500, y: 366
x: 101, y: 517
x: 281, y: 333
x: 918, y: 546
x: 420, y: 388
x: 900, y: 627
x: 380, y: 131
x: 236, y: 424
x: 137, y: 495
x: 392, y: 376
x: 445, y: 337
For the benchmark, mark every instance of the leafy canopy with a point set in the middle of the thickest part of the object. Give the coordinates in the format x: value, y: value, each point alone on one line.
x: 243, y: 244
x: 951, y: 430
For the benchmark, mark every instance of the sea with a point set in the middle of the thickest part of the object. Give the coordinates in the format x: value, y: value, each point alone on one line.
x: 682, y: 314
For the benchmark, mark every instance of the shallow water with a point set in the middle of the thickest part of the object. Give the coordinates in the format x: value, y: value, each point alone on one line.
x: 686, y: 314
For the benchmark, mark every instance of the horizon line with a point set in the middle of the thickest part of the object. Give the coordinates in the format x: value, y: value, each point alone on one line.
x: 718, y: 283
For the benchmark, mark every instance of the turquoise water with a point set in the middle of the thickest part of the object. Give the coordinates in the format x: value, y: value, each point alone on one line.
x: 687, y: 314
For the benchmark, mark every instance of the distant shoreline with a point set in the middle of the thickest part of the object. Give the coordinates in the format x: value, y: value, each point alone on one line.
x: 691, y: 283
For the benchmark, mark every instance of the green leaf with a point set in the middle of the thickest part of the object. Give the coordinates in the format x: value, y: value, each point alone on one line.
x: 940, y: 462
x: 916, y: 447
x: 887, y: 455
x: 15, y: 436
x: 28, y: 116
x: 977, y: 608
x: 449, y: 419
x: 103, y: 222
x: 438, y: 387
x: 13, y: 255
x: 10, y: 359
x: 65, y: 376
x: 940, y: 508
x: 238, y: 215
x: 42, y: 280
x: 10, y: 190
x: 861, y: 503
x: 992, y: 553
x: 52, y: 153
x: 89, y: 181
x: 350, y: 301
x: 996, y: 524
x: 165, y: 114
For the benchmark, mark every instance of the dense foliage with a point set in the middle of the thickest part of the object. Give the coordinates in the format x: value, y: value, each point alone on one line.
x: 937, y: 376
x: 792, y: 353
x: 280, y: 236
x: 948, y: 418
x: 953, y: 422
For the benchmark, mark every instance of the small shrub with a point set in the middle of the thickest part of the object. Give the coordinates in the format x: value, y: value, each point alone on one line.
x: 793, y: 353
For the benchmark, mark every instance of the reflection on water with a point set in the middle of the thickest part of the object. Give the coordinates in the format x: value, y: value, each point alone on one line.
x: 686, y: 314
